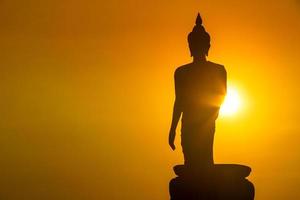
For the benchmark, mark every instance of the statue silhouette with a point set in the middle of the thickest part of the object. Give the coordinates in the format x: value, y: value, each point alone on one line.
x: 200, y: 88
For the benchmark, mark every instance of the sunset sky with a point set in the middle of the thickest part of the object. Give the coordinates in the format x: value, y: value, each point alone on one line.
x: 86, y: 95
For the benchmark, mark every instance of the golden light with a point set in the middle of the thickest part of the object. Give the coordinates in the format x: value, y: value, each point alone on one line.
x: 231, y: 103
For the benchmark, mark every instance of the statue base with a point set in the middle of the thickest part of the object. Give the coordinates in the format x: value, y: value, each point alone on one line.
x: 219, y: 182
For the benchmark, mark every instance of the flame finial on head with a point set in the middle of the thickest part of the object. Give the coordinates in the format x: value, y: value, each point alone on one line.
x: 198, y: 20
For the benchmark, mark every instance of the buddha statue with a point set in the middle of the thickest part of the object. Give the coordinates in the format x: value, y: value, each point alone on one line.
x: 200, y: 88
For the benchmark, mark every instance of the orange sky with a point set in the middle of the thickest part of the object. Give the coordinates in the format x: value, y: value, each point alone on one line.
x: 86, y: 94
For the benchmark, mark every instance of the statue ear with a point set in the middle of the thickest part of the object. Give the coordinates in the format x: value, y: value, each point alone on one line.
x: 206, y: 53
x: 191, y: 50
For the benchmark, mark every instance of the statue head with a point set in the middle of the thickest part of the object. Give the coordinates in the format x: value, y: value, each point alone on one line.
x: 199, y: 39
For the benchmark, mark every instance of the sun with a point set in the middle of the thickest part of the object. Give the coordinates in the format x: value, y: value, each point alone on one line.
x: 231, y: 103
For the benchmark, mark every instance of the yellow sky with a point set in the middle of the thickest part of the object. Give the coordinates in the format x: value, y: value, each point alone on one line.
x: 86, y: 94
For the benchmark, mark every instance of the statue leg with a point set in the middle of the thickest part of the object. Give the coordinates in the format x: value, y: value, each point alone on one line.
x: 197, y: 147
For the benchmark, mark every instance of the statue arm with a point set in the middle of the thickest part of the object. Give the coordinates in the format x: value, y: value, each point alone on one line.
x: 177, y: 110
x: 225, y: 81
x: 223, y: 84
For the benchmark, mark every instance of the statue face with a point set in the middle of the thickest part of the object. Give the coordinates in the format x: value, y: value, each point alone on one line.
x: 199, y: 50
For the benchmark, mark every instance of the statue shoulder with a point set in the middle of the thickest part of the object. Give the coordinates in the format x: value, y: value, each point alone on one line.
x: 219, y: 67
x: 182, y: 69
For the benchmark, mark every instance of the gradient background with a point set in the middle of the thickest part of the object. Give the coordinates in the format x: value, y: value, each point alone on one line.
x: 86, y: 95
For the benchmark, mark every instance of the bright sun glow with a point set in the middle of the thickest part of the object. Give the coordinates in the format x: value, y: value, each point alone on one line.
x: 231, y: 103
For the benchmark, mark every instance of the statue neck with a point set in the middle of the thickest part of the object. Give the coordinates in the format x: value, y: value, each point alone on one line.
x: 197, y: 59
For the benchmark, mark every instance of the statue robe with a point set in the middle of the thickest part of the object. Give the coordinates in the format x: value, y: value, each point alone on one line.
x: 200, y: 90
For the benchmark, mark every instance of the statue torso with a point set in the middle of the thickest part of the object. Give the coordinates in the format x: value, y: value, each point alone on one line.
x: 200, y: 88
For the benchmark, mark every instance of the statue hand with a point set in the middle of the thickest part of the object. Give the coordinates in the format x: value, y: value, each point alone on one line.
x: 171, y: 139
